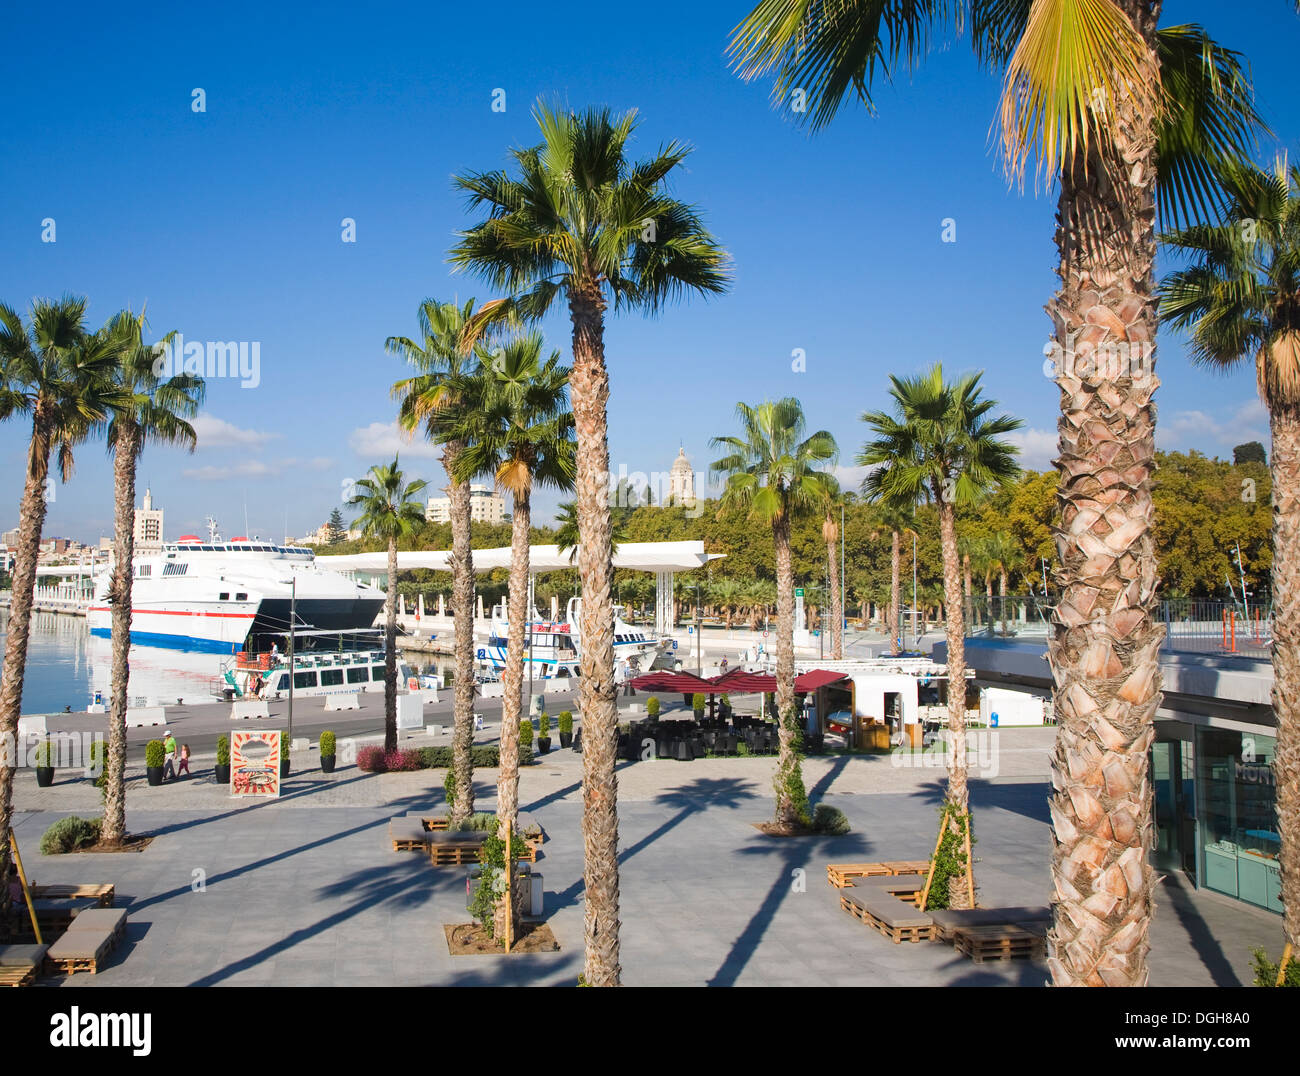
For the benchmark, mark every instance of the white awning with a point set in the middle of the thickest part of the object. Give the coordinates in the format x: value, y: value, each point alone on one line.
x: 636, y: 556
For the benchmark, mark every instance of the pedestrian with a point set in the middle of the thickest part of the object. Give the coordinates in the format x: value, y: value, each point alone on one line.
x: 169, y: 763
x: 184, y: 765
x: 723, y: 665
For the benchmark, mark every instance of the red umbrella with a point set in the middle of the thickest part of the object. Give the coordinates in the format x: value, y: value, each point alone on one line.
x: 678, y: 683
x: 740, y: 682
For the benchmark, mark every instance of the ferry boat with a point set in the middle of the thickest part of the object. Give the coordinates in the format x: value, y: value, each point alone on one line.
x: 315, y: 672
x: 556, y: 647
x: 221, y: 596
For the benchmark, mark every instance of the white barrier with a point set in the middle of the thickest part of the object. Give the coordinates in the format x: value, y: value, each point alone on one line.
x: 35, y: 725
x: 410, y: 712
x: 144, y: 716
x: 345, y: 701
x: 433, y: 730
x: 493, y: 689
x: 244, y: 709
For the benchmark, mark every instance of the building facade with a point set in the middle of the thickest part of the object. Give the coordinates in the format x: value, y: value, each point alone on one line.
x: 681, y: 482
x: 485, y: 506
x: 148, y: 524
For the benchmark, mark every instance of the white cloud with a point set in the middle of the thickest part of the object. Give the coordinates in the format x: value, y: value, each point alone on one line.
x: 215, y: 432
x: 266, y: 468
x: 850, y: 478
x: 1207, y: 431
x: 1037, y: 448
x: 383, y: 440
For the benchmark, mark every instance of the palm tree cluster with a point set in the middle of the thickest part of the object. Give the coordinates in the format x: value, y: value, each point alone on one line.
x: 75, y: 383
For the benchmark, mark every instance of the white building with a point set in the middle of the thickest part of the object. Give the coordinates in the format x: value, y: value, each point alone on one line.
x: 148, y: 524
x: 485, y: 506
x: 681, y: 482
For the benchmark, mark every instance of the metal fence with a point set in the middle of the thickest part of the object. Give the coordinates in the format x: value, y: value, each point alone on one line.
x: 1191, y: 626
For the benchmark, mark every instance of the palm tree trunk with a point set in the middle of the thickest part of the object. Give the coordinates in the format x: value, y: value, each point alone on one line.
x: 31, y: 519
x: 390, y: 651
x: 837, y: 607
x: 1105, y: 639
x: 512, y: 677
x: 126, y: 453
x: 789, y: 778
x: 955, y: 628
x: 589, y: 393
x: 462, y: 610
x: 1285, y: 461
x: 895, y: 591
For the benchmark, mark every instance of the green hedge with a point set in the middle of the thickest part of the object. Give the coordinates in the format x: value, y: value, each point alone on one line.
x: 484, y: 755
x: 69, y: 833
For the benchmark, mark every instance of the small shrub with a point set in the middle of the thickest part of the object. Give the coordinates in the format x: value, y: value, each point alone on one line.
x: 565, y: 722
x: 99, y: 765
x: 525, y: 733
x: 479, y: 822
x: 697, y: 702
x: 327, y: 744
x: 223, y: 750
x: 449, y: 788
x: 652, y: 707
x: 69, y: 833
x: 371, y: 760
x: 830, y: 820
x: 1266, y: 970
x: 483, y: 755
x: 154, y: 753
x: 403, y: 761
x: 543, y: 724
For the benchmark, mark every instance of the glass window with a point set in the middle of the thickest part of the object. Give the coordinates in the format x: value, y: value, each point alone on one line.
x: 377, y: 674
x: 1238, y: 817
x: 241, y: 597
x: 224, y: 596
x: 281, y: 685
x: 357, y: 676
x: 304, y: 679
x: 331, y: 677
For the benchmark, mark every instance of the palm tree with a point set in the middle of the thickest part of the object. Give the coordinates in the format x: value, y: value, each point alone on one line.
x: 61, y: 375
x: 445, y: 371
x: 155, y: 409
x: 1240, y: 300
x: 583, y: 224
x: 1002, y: 552
x: 770, y: 473
x: 941, y: 446
x: 897, y: 520
x: 831, y: 535
x: 726, y: 592
x: 521, y: 433
x: 1124, y: 116
x: 566, y: 533
x: 389, y: 510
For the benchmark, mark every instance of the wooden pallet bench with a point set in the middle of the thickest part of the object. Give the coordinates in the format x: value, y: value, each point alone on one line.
x: 102, y: 892
x: 439, y: 823
x: 841, y: 875
x: 407, y: 836
x: 79, y: 950
x: 460, y: 853
x: 908, y: 866
x: 20, y: 964
x: 55, y: 916
x: 999, y: 942
x: 948, y: 921
x: 893, y: 917
x: 112, y: 920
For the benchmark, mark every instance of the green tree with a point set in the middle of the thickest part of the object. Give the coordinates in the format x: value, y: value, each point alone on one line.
x: 55, y: 371
x: 334, y: 529
x: 581, y: 223
x: 389, y: 509
x: 432, y: 399
x: 1239, y: 299
x: 149, y: 408
x: 940, y: 445
x: 1250, y: 452
x: 771, y: 476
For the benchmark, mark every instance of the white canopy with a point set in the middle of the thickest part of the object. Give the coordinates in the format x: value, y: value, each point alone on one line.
x: 637, y: 556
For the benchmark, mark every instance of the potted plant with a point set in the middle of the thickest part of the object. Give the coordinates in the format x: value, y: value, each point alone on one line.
x: 526, y: 734
x: 284, y: 757
x: 327, y: 752
x: 697, y: 704
x: 543, y: 733
x: 44, y: 764
x: 652, y: 707
x: 565, y: 722
x: 154, y: 757
x: 222, y: 769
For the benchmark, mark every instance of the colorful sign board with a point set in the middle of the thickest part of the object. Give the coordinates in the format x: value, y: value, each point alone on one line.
x: 255, y: 763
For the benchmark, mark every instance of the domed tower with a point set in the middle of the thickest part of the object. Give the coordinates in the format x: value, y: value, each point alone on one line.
x: 681, y: 481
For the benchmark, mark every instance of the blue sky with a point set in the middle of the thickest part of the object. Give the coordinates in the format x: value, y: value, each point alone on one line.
x: 227, y: 223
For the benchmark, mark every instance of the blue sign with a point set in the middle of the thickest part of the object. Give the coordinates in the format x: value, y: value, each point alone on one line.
x: 482, y: 654
x: 674, y: 644
x: 690, y: 631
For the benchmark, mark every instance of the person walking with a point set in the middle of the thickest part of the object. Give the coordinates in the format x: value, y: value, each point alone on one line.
x: 183, y: 766
x: 169, y: 763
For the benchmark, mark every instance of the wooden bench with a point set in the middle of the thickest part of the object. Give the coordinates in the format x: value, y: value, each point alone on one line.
x: 407, y: 836
x: 112, y: 920
x: 439, y: 823
x: 103, y: 892
x: 55, y: 916
x: 999, y: 942
x: 20, y: 964
x: 843, y: 874
x: 895, y: 919
x: 906, y: 887
x: 948, y: 921
x: 80, y: 950
x: 452, y: 848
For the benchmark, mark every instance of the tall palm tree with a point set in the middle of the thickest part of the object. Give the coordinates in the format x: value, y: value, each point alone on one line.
x: 1124, y: 116
x: 897, y: 520
x: 445, y: 369
x: 1240, y: 300
x: 155, y: 409
x: 771, y: 474
x: 389, y: 509
x: 521, y: 433
x: 60, y: 374
x: 941, y: 446
x: 566, y: 531
x: 726, y: 592
x: 831, y: 536
x: 581, y: 223
x: 1003, y: 552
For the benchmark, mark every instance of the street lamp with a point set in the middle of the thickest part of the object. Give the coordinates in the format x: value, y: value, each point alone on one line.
x: 915, y: 611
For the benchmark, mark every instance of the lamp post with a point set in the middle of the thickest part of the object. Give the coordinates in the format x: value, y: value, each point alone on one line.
x: 915, y: 611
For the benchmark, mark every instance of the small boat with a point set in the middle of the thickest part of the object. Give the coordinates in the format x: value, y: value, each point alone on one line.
x: 317, y: 669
